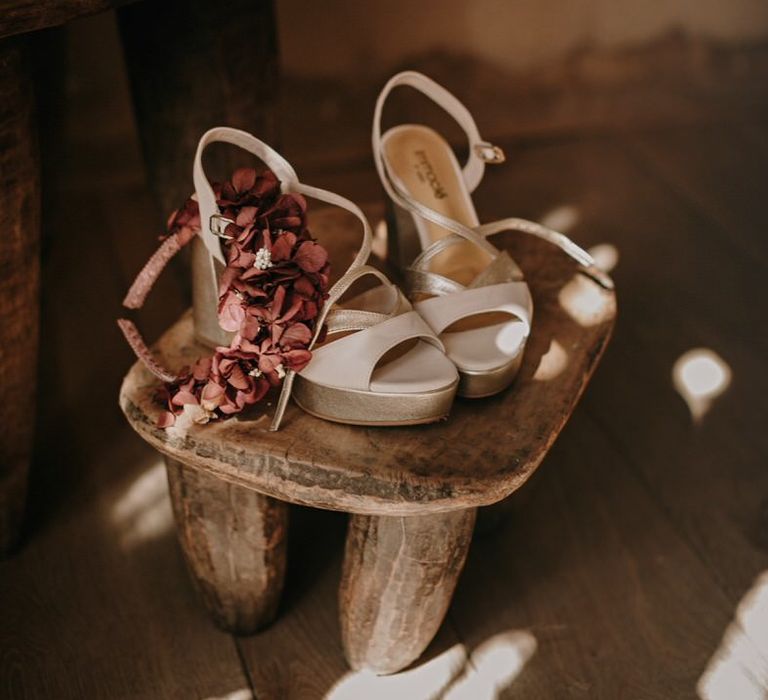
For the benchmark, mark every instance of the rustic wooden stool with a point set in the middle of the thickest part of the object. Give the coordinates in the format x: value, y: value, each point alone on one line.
x: 412, y: 492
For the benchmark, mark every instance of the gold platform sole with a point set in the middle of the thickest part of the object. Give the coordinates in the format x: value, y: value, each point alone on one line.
x: 478, y: 385
x: 373, y: 409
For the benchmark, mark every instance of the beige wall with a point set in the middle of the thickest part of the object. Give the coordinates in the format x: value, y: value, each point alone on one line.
x: 331, y: 37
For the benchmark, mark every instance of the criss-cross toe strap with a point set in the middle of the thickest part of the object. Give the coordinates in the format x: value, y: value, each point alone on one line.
x: 349, y: 362
x: 512, y: 298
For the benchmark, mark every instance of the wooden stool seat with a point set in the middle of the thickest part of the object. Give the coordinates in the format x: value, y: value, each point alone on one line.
x: 413, y: 490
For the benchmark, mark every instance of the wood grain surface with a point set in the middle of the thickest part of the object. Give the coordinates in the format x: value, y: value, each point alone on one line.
x: 19, y: 280
x: 234, y: 542
x: 19, y: 16
x: 397, y: 583
x: 483, y: 452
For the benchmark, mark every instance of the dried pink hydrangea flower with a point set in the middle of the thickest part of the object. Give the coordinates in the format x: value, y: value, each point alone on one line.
x: 270, y: 295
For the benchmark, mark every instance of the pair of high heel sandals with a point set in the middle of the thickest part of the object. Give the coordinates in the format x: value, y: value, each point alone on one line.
x: 390, y: 357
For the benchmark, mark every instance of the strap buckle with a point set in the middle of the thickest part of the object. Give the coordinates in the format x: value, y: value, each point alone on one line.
x: 489, y: 153
x: 218, y: 225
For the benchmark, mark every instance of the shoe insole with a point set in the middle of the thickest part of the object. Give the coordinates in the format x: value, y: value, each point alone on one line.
x: 425, y: 166
x: 422, y: 367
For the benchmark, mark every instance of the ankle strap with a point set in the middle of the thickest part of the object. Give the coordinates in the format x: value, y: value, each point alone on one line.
x: 206, y: 199
x: 480, y: 151
x: 289, y: 182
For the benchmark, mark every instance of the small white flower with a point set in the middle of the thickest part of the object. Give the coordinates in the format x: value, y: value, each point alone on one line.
x: 280, y: 371
x: 255, y: 372
x: 263, y: 259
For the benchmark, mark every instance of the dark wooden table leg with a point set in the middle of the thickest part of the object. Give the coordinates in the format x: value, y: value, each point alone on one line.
x: 398, y: 579
x: 195, y: 64
x: 234, y: 542
x: 19, y: 281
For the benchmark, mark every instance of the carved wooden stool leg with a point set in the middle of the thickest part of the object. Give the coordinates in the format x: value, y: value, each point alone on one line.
x: 19, y: 281
x: 234, y: 542
x: 398, y: 579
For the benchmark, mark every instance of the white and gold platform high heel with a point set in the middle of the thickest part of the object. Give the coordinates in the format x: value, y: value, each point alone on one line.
x: 472, y: 295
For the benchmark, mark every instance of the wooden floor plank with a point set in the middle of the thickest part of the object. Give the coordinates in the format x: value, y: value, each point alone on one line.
x: 98, y: 604
x: 719, y: 171
x: 588, y: 572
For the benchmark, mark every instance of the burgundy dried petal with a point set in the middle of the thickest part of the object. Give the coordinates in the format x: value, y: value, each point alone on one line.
x: 311, y: 257
x: 266, y: 184
x: 297, y: 360
x: 183, y: 397
x: 304, y: 286
x: 292, y: 311
x: 300, y: 201
x: 237, y: 378
x: 243, y: 179
x: 229, y: 407
x: 166, y: 419
x: 231, y: 313
x: 211, y: 396
x: 225, y: 365
x: 295, y: 334
x: 202, y: 369
x: 227, y: 280
x: 268, y: 362
x: 232, y: 230
x: 246, y: 216
x: 250, y: 327
x: 277, y: 303
x: 254, y: 272
x: 282, y: 247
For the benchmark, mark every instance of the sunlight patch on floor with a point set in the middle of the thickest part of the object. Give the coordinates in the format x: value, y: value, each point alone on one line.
x: 700, y: 376
x: 562, y: 218
x: 143, y: 511
x: 425, y: 680
x: 739, y: 667
x: 552, y: 362
x: 493, y: 667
